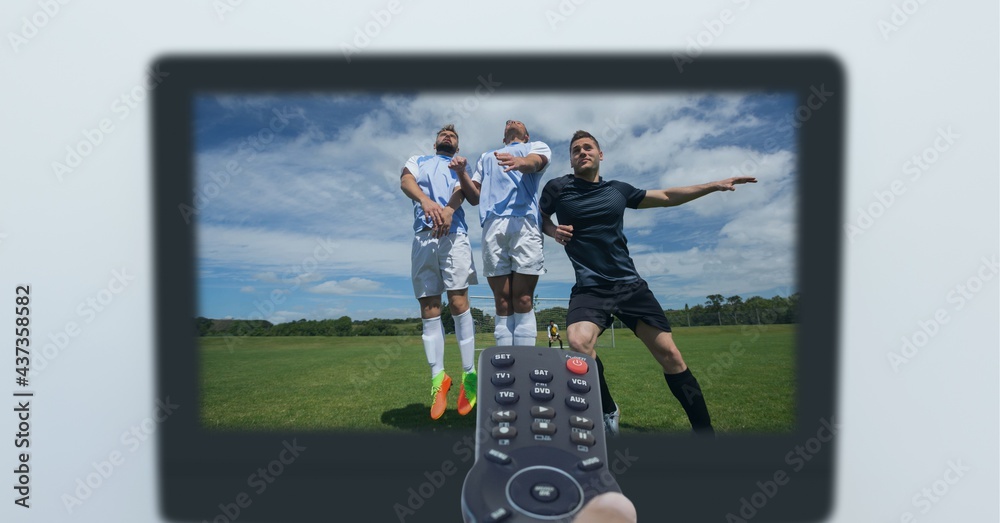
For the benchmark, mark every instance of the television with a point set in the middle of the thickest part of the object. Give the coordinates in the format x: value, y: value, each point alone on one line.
x: 285, y: 310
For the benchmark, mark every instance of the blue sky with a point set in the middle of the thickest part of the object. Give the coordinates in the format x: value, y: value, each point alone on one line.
x: 300, y: 213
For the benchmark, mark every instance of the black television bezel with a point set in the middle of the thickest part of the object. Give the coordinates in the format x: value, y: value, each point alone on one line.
x: 345, y: 475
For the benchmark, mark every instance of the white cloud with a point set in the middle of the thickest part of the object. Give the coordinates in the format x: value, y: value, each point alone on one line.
x: 774, y: 173
x: 247, y: 289
x: 349, y: 286
x: 322, y: 203
x: 349, y: 184
x: 290, y: 257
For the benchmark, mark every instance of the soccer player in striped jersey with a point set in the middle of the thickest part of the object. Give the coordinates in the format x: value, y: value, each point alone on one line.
x: 442, y: 262
x: 505, y: 186
x: 590, y: 210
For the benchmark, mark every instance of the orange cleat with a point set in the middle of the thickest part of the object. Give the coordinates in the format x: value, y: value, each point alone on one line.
x: 467, y: 392
x: 439, y: 394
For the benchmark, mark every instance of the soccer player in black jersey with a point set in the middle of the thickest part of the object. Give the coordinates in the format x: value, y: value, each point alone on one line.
x: 590, y: 211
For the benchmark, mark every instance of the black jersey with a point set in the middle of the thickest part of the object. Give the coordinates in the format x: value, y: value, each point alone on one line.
x: 598, y: 249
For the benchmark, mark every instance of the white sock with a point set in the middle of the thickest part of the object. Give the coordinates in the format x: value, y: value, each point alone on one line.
x: 465, y: 331
x: 440, y: 346
x: 502, y: 332
x: 525, y: 328
x: 433, y: 337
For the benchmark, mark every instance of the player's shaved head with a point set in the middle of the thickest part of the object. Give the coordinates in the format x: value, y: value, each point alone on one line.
x: 515, y: 130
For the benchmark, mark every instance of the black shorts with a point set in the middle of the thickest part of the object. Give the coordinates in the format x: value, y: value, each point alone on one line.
x: 630, y: 302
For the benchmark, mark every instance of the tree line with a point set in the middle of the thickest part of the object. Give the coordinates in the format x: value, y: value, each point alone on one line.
x: 343, y: 326
x: 734, y: 310
x: 716, y: 310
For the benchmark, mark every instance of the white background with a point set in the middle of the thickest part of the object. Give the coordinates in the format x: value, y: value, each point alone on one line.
x: 939, y: 70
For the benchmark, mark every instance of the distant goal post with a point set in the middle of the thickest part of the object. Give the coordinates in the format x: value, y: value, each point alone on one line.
x: 546, y: 309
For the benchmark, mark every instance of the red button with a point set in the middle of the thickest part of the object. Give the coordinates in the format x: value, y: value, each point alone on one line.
x: 576, y: 366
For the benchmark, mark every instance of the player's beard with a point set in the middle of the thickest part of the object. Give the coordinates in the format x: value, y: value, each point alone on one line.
x: 445, y: 149
x: 513, y: 135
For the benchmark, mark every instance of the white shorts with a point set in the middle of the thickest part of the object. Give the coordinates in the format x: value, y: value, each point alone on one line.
x: 441, y: 264
x: 512, y: 244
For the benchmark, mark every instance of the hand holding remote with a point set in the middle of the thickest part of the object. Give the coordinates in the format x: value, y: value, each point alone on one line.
x: 543, y: 455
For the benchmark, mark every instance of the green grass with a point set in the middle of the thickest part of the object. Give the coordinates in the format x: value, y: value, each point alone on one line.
x: 383, y: 383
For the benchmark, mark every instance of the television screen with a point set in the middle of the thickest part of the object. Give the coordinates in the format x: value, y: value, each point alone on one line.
x: 294, y: 313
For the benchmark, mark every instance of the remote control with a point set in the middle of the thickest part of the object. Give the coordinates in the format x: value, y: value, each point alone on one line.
x: 541, y: 452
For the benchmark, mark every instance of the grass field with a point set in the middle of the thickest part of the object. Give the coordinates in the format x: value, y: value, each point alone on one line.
x: 383, y: 383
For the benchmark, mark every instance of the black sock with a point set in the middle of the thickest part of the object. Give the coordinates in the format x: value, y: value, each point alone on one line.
x: 687, y: 391
x: 607, y: 402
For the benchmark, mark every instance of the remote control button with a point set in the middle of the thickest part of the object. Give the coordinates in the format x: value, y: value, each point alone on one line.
x: 574, y: 402
x: 509, y: 397
x: 498, y: 515
x: 578, y: 385
x: 504, y: 432
x: 541, y: 375
x: 589, y: 464
x: 575, y: 365
x: 581, y: 422
x: 545, y: 492
x: 543, y: 412
x: 506, y: 416
x: 582, y: 438
x: 541, y: 393
x: 499, y: 457
x: 502, y: 379
x: 502, y: 359
x: 540, y: 426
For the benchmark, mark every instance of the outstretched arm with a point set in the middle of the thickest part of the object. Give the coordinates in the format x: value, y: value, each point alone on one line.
x: 682, y: 195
